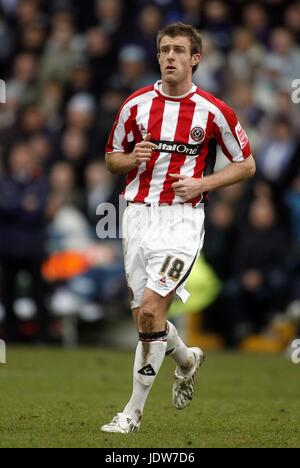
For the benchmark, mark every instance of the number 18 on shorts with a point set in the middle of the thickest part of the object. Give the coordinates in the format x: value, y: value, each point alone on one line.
x: 161, y: 244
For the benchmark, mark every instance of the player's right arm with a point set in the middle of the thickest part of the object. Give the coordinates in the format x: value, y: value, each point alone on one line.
x: 125, y: 135
x: 120, y: 162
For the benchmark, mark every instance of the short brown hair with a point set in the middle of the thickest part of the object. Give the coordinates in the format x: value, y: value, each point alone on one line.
x: 181, y: 29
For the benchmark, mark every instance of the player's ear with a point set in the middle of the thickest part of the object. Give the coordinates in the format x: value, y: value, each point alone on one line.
x: 196, y: 59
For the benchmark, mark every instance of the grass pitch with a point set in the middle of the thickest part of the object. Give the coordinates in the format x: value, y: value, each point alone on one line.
x: 58, y: 398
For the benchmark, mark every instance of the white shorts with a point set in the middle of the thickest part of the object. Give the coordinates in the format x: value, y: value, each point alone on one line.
x: 161, y: 244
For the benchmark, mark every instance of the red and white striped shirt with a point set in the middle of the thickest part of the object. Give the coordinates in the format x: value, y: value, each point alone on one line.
x: 181, y: 128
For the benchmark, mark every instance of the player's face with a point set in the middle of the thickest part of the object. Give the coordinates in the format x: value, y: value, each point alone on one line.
x: 175, y: 59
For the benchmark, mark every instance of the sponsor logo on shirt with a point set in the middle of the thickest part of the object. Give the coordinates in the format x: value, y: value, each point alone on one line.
x: 176, y: 147
x: 241, y: 134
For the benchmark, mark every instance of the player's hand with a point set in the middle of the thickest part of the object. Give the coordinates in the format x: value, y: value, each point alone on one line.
x: 143, y: 151
x: 187, y: 187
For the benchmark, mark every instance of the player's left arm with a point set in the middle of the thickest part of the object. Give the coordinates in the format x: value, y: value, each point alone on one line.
x: 233, y: 173
x: 190, y: 187
x: 235, y: 145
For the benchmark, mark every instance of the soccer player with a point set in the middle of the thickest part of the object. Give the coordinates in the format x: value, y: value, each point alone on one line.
x: 160, y: 139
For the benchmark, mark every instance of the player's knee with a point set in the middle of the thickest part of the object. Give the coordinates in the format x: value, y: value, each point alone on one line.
x: 147, y: 319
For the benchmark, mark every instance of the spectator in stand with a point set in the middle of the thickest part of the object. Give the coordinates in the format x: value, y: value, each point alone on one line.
x: 23, y: 80
x: 81, y: 112
x: 41, y: 149
x: 63, y: 185
x: 261, y: 269
x: 61, y: 52
x: 279, y: 68
x: 284, y: 57
x: 6, y: 44
x: 27, y: 11
x: 101, y: 58
x: 249, y: 112
x: 75, y: 150
x: 23, y: 200
x: 292, y: 199
x: 218, y: 24
x: 292, y: 20
x: 101, y: 187
x: 50, y: 101
x: 279, y: 156
x: 109, y: 16
x: 245, y: 57
x: 189, y: 11
x: 210, y: 76
x: 80, y: 79
x: 110, y: 103
x: 133, y: 72
x: 256, y: 21
x: 149, y: 21
x: 31, y: 121
x: 33, y: 37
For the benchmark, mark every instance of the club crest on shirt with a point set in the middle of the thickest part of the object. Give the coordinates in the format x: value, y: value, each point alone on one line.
x: 198, y: 134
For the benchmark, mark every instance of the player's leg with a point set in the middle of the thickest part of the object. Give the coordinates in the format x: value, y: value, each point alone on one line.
x: 136, y: 279
x: 176, y: 348
x: 124, y: 422
x: 170, y: 263
x: 150, y: 318
x: 135, y: 316
x: 188, y: 362
x: 151, y: 349
x: 188, y: 359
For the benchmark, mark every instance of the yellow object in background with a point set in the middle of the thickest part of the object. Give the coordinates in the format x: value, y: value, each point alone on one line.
x: 204, y: 287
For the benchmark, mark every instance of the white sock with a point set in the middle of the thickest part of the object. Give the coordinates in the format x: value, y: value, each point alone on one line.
x: 148, y: 359
x: 178, y: 350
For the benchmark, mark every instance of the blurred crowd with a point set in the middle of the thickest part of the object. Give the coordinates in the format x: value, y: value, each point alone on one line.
x: 68, y: 66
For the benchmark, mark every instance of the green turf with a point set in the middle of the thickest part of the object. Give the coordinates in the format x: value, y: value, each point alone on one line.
x: 57, y: 398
